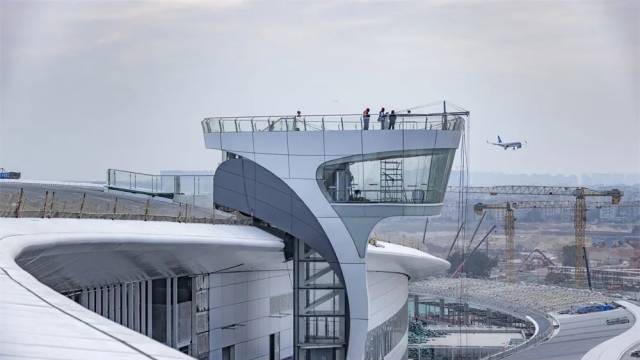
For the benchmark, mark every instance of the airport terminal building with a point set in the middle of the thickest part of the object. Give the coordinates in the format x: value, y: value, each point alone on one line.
x: 297, y: 278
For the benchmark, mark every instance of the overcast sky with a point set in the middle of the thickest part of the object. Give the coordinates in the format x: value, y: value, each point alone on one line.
x: 86, y: 86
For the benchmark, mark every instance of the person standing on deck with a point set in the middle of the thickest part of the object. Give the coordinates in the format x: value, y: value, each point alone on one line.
x: 392, y: 119
x: 382, y: 118
x: 297, y: 119
x: 365, y: 119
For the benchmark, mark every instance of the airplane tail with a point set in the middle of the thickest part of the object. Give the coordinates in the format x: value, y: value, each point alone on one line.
x: 499, y: 140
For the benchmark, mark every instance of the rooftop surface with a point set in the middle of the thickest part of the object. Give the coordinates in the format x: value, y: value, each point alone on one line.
x: 40, y: 323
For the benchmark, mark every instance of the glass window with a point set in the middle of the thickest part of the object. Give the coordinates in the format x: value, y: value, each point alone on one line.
x: 229, y: 353
x: 400, y: 179
x: 159, y: 310
x: 274, y: 346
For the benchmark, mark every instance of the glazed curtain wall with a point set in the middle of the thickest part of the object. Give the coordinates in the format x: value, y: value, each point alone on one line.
x: 405, y: 178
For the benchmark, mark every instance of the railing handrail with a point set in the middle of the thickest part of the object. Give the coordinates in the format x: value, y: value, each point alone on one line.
x: 292, y: 116
x: 516, y: 310
x: 141, y: 173
x: 44, y: 203
x: 338, y: 122
x: 158, y: 175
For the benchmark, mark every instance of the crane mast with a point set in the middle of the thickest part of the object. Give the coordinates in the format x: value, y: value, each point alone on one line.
x: 580, y: 225
x: 580, y: 216
x: 509, y: 232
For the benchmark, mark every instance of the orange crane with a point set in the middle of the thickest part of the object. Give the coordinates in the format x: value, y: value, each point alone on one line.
x: 579, y: 224
x: 580, y: 215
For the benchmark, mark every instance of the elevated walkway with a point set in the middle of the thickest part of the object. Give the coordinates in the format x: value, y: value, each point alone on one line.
x: 164, y: 186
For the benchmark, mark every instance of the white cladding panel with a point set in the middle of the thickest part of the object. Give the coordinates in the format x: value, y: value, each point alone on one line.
x: 448, y: 139
x: 241, y: 141
x: 304, y: 167
x: 420, y: 139
x: 240, y: 313
x: 343, y: 143
x: 274, y: 142
x: 213, y: 141
x: 388, y: 293
x: 277, y: 164
x: 306, y: 143
x: 333, y: 144
x: 355, y: 278
x: 384, y: 140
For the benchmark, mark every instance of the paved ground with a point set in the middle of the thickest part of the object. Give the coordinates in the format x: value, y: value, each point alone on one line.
x: 576, y: 336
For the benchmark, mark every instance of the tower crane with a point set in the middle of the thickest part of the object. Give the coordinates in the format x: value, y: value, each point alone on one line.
x: 580, y: 215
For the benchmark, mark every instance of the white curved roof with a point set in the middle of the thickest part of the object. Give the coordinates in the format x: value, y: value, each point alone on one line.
x: 38, y: 322
x: 416, y: 264
x: 72, y: 253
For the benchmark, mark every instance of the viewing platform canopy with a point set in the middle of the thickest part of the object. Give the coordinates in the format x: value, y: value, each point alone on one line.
x: 334, y: 122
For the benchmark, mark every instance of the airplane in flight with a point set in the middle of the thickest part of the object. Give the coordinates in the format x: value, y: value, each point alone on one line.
x: 505, y: 145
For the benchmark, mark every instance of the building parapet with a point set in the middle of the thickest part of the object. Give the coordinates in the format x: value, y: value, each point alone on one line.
x: 335, y: 122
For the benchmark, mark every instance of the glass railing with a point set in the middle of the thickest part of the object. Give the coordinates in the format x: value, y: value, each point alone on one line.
x: 190, y: 188
x: 44, y: 202
x: 414, y: 196
x: 336, y: 122
x: 136, y: 181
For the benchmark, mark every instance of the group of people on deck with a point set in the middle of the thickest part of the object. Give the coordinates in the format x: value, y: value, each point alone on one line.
x: 387, y: 120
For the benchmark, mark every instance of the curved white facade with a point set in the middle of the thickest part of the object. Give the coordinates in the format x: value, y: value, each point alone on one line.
x: 296, y: 158
x: 308, y: 286
x: 245, y: 270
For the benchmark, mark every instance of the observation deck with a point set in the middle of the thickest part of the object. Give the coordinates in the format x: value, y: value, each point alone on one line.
x: 333, y: 122
x: 327, y: 180
x: 379, y: 161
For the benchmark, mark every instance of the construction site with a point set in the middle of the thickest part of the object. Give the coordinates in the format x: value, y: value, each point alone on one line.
x: 532, y: 233
x: 527, y: 252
